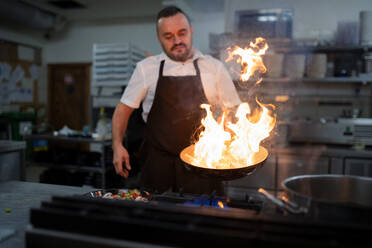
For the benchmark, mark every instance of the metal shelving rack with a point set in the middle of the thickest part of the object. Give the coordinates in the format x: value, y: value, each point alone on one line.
x: 102, y: 169
x: 113, y: 64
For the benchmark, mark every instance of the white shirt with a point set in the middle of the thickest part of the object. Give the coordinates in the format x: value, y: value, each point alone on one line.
x: 217, y: 84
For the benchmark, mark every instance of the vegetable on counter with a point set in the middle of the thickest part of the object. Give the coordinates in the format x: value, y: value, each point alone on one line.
x: 124, y: 194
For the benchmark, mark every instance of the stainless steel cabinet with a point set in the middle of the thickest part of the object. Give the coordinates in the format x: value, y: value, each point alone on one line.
x: 358, y: 167
x: 292, y: 165
x: 336, y: 166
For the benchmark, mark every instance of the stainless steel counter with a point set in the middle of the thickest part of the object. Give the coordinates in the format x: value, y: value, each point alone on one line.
x: 19, y: 197
x: 12, y: 160
x: 16, y: 200
x: 11, y: 146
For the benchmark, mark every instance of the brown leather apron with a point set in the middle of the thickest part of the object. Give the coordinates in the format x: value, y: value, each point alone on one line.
x: 173, y: 119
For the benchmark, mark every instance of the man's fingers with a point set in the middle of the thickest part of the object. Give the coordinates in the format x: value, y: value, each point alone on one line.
x: 117, y: 167
x: 121, y: 157
x: 125, y: 173
x: 127, y: 163
x: 121, y: 171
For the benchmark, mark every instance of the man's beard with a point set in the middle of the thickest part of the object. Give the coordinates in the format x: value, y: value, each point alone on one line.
x: 179, y: 56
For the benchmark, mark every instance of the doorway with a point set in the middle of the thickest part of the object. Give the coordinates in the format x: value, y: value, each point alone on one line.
x: 68, y: 95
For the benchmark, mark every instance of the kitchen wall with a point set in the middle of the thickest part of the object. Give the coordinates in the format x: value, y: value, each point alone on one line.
x: 312, y: 19
x: 75, y: 43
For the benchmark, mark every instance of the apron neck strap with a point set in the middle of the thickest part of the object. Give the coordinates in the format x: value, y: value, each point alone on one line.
x: 196, y: 66
x: 161, y: 68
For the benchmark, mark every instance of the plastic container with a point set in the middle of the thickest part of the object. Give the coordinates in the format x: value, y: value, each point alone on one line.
x: 316, y: 65
x: 368, y: 63
x: 365, y: 18
x: 274, y: 65
x: 294, y: 65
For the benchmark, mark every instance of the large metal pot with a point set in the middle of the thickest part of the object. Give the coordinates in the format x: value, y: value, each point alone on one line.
x: 222, y: 174
x: 327, y: 196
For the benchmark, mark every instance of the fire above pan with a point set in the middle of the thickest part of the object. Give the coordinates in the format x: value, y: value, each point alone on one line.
x: 223, y: 174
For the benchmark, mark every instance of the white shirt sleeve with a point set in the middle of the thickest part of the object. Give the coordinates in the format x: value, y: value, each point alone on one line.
x: 136, y: 90
x: 226, y: 92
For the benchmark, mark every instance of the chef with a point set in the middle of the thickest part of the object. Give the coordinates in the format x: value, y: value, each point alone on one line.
x: 171, y: 87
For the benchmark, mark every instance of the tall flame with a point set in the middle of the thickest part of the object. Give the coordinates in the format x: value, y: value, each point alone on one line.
x: 233, y: 148
x: 248, y: 135
x: 225, y: 144
x: 250, y: 58
x: 212, y: 140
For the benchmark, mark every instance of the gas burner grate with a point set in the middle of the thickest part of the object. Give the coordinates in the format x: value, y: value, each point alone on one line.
x: 248, y: 202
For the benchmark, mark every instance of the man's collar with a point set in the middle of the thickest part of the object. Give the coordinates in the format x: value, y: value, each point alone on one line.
x: 196, y: 55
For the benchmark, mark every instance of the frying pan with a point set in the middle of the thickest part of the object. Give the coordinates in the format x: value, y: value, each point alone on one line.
x: 186, y: 156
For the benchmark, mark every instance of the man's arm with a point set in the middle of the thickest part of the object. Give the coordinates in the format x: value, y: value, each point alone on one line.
x: 119, y: 126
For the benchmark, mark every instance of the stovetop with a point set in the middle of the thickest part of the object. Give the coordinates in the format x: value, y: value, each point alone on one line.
x: 183, y: 220
x: 250, y: 201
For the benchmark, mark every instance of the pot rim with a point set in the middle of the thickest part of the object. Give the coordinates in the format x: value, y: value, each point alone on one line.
x: 294, y: 178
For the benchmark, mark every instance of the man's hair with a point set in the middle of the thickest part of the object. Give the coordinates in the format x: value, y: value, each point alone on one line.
x: 170, y: 11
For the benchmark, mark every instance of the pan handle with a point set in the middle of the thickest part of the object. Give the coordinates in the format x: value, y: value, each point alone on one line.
x: 284, y: 204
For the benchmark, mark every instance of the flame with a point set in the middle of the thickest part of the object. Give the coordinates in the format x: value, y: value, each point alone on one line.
x: 250, y: 58
x: 249, y: 134
x: 220, y: 204
x: 225, y: 144
x: 212, y: 140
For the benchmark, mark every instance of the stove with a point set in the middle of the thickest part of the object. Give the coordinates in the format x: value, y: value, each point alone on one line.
x: 240, y: 218
x: 243, y: 200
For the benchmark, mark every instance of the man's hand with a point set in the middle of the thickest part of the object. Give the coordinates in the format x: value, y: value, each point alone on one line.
x: 121, y: 156
x: 119, y: 125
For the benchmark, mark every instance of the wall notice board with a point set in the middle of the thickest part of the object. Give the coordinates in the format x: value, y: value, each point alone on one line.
x: 19, y: 73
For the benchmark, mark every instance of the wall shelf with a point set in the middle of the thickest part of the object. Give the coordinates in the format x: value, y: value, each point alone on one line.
x: 324, y: 49
x: 318, y: 97
x: 362, y: 80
